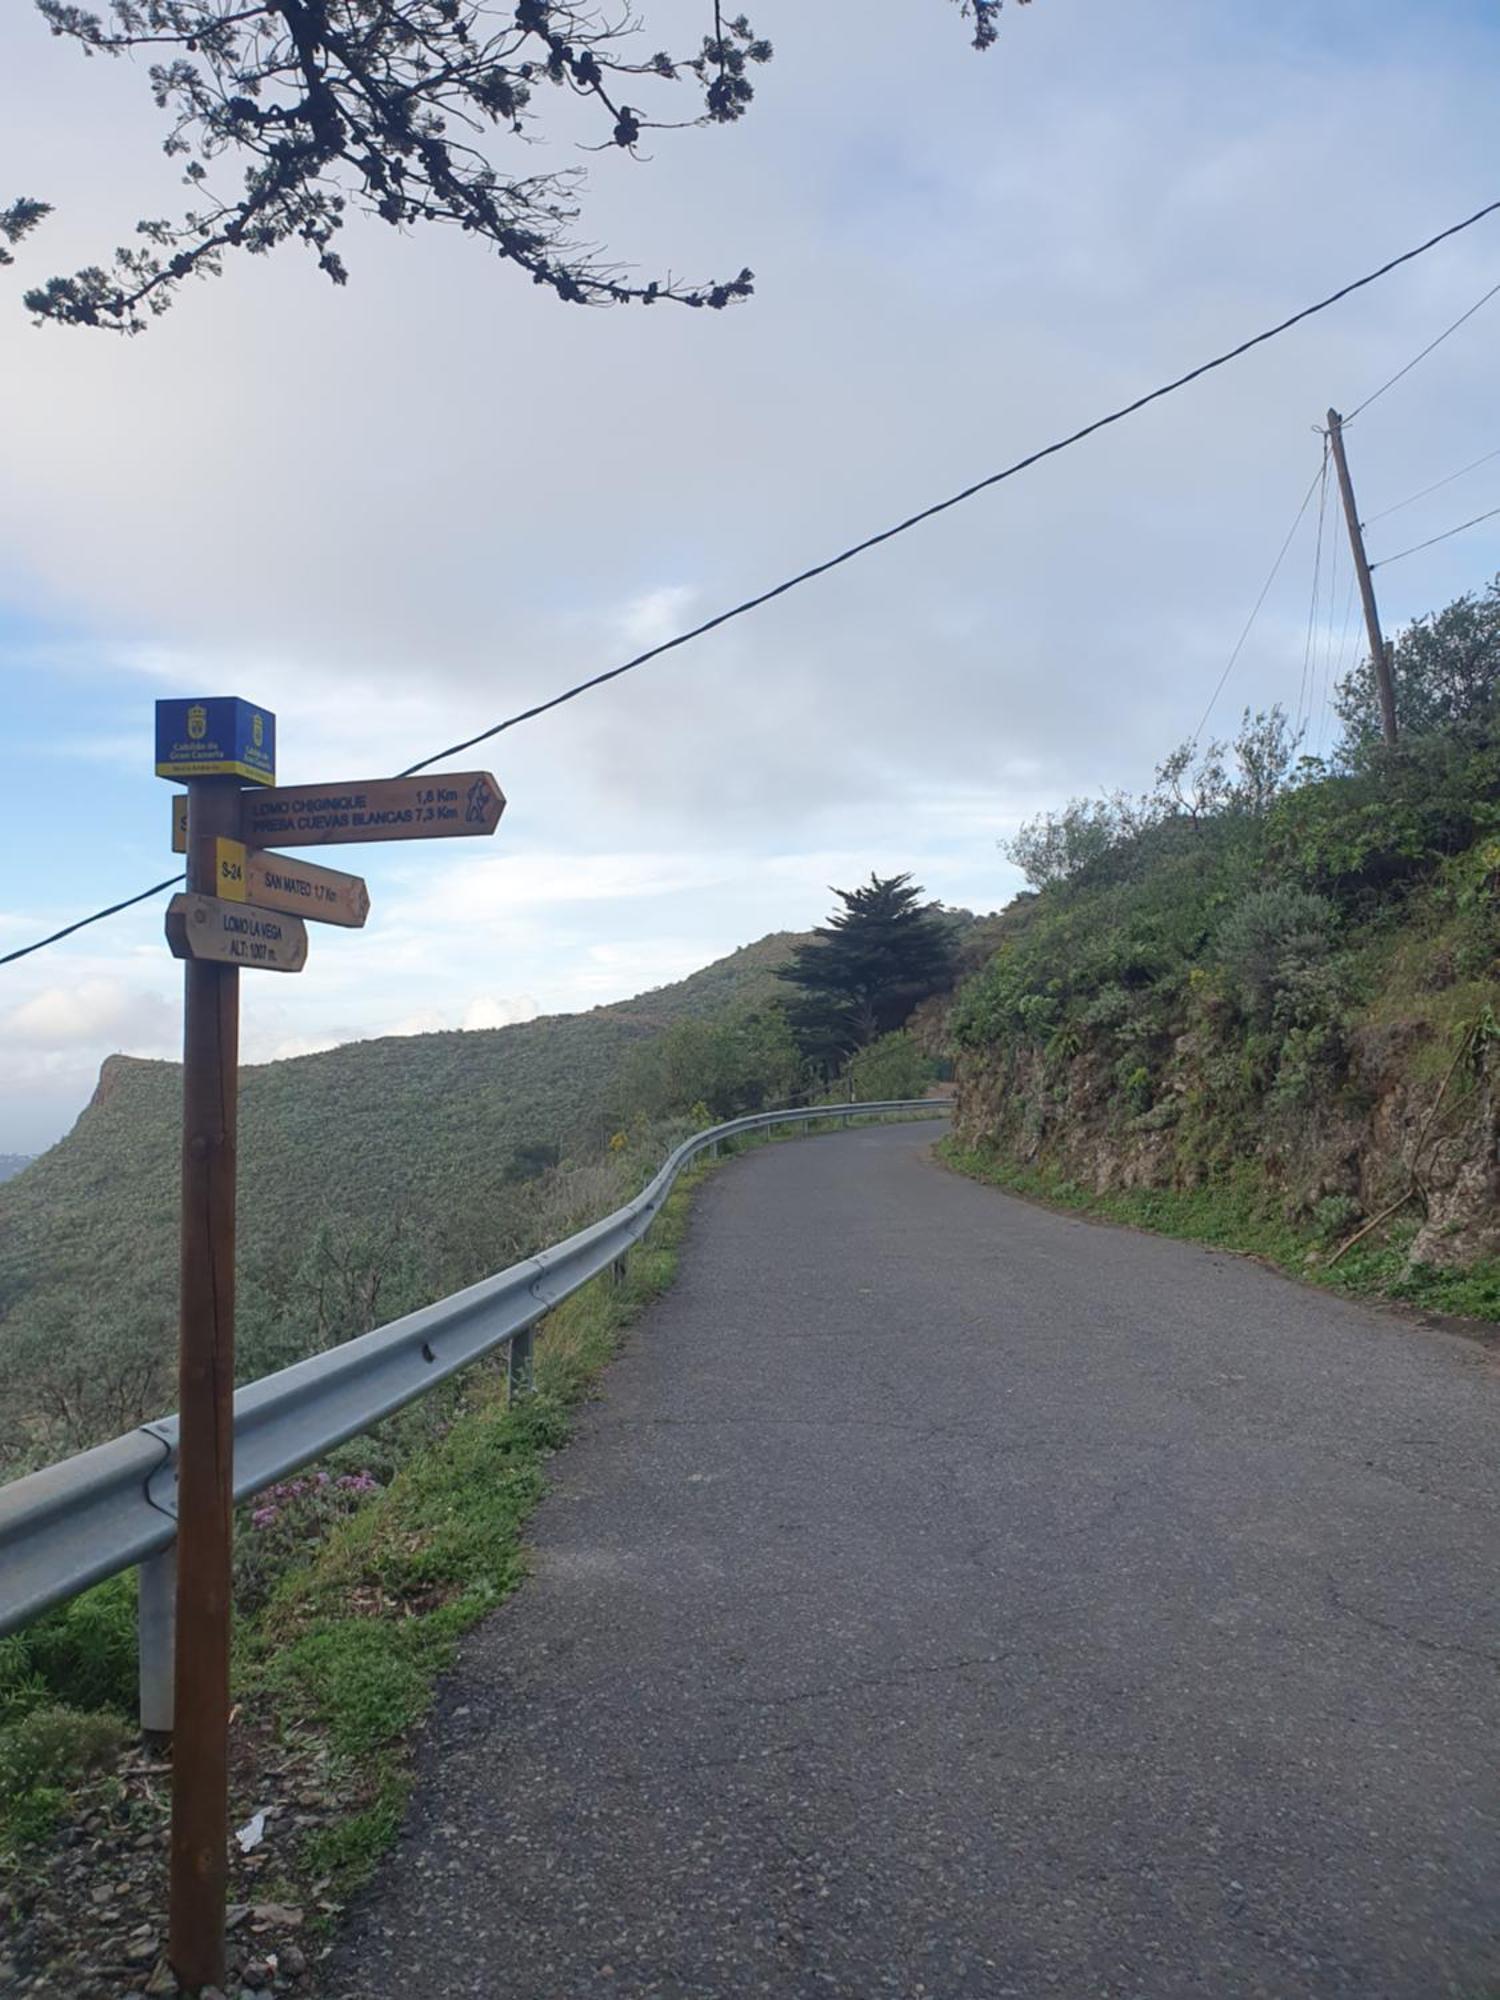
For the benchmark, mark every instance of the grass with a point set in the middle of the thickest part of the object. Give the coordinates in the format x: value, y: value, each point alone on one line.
x: 349, y: 1632
x: 433, y: 1184
x: 44, y: 1755
x: 1238, y: 1213
x: 348, y: 1648
x: 67, y: 1686
x: 341, y: 1659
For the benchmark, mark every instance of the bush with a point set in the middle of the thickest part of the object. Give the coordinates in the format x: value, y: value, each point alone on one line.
x: 1269, y: 943
x: 82, y: 1654
x: 733, y: 1066
x: 891, y: 1068
x: 1395, y: 820
x: 281, y: 1526
x: 1446, y: 674
x: 41, y: 1755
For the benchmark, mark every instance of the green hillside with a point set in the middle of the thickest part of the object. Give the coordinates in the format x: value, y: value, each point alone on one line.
x: 1262, y: 1006
x: 372, y: 1177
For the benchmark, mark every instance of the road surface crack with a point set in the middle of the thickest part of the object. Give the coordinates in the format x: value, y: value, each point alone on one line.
x: 1397, y: 1631
x: 894, y: 1678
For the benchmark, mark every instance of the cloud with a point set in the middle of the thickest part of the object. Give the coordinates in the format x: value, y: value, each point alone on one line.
x: 98, y: 1011
x: 448, y: 497
x: 484, y: 1010
x: 493, y: 1010
x: 288, y: 1046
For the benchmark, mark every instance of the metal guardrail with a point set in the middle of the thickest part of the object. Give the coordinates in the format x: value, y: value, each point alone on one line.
x: 86, y: 1518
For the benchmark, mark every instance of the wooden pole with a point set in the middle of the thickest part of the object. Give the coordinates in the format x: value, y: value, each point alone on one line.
x: 1379, y: 657
x: 205, y: 1450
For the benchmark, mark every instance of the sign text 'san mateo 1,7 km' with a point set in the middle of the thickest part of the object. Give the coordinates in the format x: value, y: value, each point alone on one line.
x: 243, y: 907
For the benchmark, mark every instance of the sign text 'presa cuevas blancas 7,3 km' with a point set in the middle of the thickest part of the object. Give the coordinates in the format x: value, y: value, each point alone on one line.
x: 440, y: 805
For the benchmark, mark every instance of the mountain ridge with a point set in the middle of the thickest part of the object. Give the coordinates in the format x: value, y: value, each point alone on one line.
x: 433, y: 1142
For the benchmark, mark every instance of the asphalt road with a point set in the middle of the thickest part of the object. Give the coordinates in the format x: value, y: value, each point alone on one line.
x: 949, y: 1598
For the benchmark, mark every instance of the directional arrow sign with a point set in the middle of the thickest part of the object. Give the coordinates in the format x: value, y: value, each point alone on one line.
x: 270, y: 881
x: 235, y: 934
x: 437, y: 805
x: 452, y: 803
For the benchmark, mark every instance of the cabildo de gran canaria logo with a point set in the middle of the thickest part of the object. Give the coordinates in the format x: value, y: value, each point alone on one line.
x: 197, y: 724
x: 257, y: 732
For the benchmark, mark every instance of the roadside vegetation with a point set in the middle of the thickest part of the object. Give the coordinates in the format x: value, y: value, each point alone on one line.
x: 356, y: 1578
x: 354, y: 1584
x: 374, y: 1178
x: 380, y: 1176
x: 1261, y: 1004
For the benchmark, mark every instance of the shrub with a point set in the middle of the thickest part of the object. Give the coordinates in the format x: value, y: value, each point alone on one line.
x: 727, y: 1067
x: 1446, y: 674
x: 891, y: 1068
x: 282, y: 1525
x: 1270, y: 941
x: 1335, y: 1216
x: 82, y: 1654
x: 1394, y: 820
x: 42, y: 1754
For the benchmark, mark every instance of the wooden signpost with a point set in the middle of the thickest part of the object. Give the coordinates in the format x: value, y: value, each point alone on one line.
x: 446, y: 805
x: 242, y: 908
x: 246, y: 875
x: 441, y: 805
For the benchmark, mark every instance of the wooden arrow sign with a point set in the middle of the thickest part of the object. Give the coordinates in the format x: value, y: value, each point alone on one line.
x: 440, y: 805
x: 271, y: 882
x: 235, y: 934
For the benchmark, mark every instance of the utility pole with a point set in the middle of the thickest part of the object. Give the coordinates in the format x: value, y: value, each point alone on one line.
x: 205, y: 1456
x: 1379, y: 658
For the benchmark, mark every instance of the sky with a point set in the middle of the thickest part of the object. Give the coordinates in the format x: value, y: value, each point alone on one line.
x: 396, y: 512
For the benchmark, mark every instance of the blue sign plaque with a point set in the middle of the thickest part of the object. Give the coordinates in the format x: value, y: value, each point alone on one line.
x: 215, y: 736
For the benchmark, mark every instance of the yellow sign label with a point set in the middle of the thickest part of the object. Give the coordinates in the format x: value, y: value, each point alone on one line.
x: 229, y: 871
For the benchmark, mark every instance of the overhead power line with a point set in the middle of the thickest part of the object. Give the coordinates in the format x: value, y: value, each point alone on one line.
x: 1431, y: 346
x: 68, y: 929
x: 901, y: 527
x: 1318, y: 479
x: 1436, y: 487
x: 1433, y: 540
x: 1308, y: 682
x: 957, y: 499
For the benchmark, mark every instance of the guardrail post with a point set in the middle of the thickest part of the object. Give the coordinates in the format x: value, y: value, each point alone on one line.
x: 156, y: 1638
x: 520, y: 1378
x: 617, y: 1271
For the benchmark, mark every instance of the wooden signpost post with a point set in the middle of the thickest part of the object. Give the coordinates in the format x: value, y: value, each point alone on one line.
x: 243, y: 908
